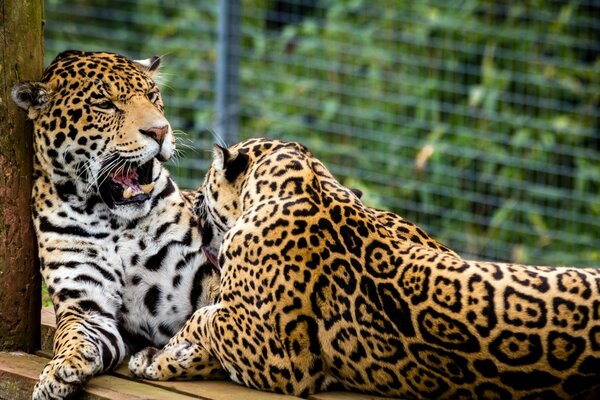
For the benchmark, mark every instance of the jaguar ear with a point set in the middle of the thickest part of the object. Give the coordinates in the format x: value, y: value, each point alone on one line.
x: 232, y: 163
x: 220, y: 156
x: 357, y: 192
x: 149, y: 66
x: 32, y: 97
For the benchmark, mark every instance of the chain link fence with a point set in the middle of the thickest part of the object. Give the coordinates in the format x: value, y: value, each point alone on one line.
x: 477, y: 119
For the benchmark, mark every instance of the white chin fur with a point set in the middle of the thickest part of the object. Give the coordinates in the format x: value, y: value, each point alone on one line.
x: 132, y: 211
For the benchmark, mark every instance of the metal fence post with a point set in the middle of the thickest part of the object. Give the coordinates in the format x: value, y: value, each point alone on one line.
x: 227, y: 99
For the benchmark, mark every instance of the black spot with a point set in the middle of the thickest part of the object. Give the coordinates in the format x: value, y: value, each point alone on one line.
x: 440, y: 329
x: 152, y: 299
x: 65, y: 189
x: 396, y: 309
x: 590, y: 365
x: 528, y: 380
x: 486, y: 368
x: 595, y: 338
x: 47, y: 226
x: 90, y: 306
x: 488, y: 312
x: 533, y: 307
x: 75, y: 115
x: 155, y: 262
x: 234, y: 167
x: 578, y: 315
x: 319, y: 296
x: 580, y: 383
x: 166, y: 192
x: 545, y: 395
x: 52, y: 153
x: 176, y: 280
x: 87, y: 279
x: 445, y: 363
x: 305, y: 327
x: 352, y: 241
x: 166, y: 330
x: 59, y: 139
x: 206, y: 232
x: 336, y: 214
x: 517, y: 348
x: 198, y: 283
x: 564, y: 349
x: 344, y: 275
x: 378, y: 260
x: 65, y: 294
x: 426, y: 383
x: 490, y: 391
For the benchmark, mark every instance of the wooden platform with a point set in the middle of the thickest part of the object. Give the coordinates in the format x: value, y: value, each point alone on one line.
x: 19, y: 372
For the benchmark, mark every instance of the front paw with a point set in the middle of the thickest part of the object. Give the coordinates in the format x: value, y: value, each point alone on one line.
x: 176, y: 361
x: 140, y: 362
x: 64, y: 375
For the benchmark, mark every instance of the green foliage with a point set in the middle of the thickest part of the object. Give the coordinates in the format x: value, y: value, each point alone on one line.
x: 46, y: 301
x: 477, y: 118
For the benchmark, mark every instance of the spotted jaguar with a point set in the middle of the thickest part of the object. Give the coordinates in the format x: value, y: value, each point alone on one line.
x: 319, y: 290
x: 119, y: 245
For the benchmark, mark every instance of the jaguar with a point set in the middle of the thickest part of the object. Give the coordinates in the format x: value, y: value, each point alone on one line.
x: 119, y: 245
x: 318, y: 291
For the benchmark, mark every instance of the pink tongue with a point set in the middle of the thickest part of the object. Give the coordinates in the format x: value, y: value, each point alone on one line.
x: 211, y: 257
x: 128, y: 181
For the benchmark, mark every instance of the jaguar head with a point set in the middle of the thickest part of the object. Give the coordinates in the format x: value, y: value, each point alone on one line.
x: 218, y: 202
x: 99, y: 127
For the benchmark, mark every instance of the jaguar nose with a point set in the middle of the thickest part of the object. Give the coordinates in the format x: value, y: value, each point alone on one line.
x: 158, y: 134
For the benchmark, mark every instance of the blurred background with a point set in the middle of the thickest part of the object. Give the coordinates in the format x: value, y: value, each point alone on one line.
x: 477, y: 119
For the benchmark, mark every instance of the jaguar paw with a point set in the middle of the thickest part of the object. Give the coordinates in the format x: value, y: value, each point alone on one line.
x: 64, y: 376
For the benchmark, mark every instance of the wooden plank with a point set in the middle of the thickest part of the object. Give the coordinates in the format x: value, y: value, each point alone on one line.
x: 48, y: 328
x: 345, y: 396
x: 47, y: 317
x: 19, y: 372
x: 107, y: 387
x: 213, y: 390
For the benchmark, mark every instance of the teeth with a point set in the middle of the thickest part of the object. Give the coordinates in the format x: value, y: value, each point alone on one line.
x: 147, y: 188
x: 127, y: 193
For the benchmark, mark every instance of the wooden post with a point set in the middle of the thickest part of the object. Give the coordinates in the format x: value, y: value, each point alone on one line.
x: 21, y: 58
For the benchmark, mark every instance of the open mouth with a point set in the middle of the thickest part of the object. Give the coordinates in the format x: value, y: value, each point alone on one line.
x: 127, y: 184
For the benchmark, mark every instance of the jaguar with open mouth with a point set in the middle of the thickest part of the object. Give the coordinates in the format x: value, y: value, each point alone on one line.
x: 118, y: 242
x: 129, y: 183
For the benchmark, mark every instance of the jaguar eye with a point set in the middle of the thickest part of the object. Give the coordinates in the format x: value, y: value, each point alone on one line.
x: 105, y: 105
x: 152, y: 96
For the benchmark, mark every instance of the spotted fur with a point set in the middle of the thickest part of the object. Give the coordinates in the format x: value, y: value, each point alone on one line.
x: 319, y: 289
x: 123, y: 271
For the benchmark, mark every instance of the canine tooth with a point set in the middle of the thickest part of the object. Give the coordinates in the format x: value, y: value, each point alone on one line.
x: 147, y: 188
x: 127, y: 193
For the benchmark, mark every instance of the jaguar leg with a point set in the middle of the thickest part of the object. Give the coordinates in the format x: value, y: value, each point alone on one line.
x: 87, y: 340
x: 84, y: 345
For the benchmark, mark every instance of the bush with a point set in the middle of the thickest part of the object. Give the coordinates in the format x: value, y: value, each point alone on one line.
x: 476, y: 119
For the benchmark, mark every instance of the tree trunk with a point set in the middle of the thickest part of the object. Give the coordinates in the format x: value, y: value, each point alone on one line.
x: 21, y: 58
